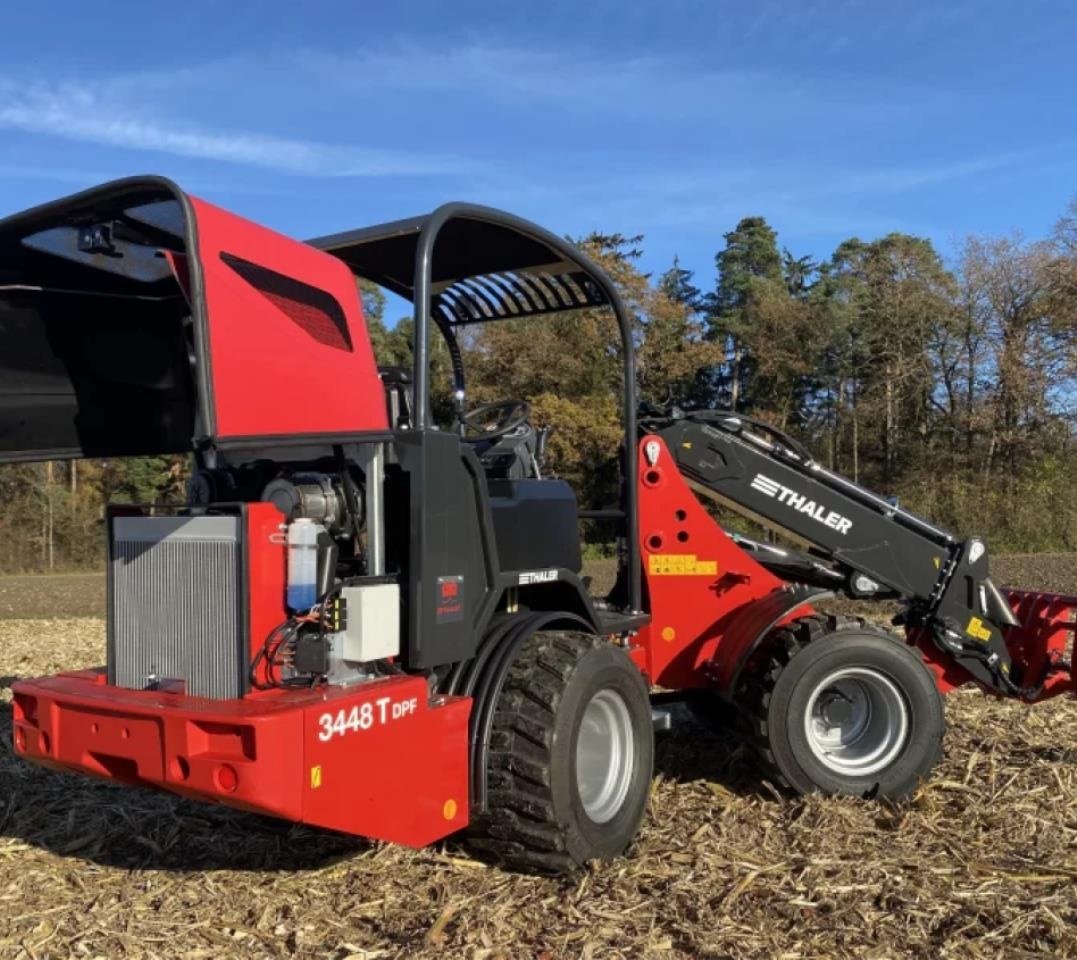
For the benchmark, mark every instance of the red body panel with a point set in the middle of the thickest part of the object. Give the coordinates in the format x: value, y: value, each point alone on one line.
x: 265, y: 578
x: 289, y: 352
x: 386, y: 765
x: 700, y: 584
x: 404, y: 777
x: 949, y: 675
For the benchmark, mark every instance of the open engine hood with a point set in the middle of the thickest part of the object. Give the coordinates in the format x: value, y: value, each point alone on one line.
x: 136, y: 319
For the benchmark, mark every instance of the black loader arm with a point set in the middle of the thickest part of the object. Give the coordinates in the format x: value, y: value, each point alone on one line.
x: 870, y: 544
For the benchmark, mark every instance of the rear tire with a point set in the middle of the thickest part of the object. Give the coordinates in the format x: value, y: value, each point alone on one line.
x: 845, y: 710
x: 570, y: 758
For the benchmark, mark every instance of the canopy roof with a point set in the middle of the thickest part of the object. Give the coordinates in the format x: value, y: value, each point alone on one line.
x: 482, y: 270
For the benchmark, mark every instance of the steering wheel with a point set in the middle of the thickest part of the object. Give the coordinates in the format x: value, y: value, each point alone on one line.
x: 492, y: 420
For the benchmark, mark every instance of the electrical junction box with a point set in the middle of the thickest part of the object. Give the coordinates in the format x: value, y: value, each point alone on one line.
x: 372, y: 627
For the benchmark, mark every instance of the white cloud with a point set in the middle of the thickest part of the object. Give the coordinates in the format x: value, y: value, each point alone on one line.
x: 712, y: 93
x: 75, y: 112
x: 583, y: 136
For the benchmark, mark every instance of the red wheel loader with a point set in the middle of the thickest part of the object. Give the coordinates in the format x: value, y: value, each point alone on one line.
x: 370, y: 622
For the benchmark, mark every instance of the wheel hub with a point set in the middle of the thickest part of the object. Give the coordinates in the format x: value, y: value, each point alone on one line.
x: 605, y: 755
x: 836, y: 709
x: 857, y: 721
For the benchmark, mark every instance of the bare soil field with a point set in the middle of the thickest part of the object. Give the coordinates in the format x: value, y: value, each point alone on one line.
x: 65, y: 595
x: 982, y: 862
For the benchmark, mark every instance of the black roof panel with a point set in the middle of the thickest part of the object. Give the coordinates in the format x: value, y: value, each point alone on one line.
x: 482, y: 270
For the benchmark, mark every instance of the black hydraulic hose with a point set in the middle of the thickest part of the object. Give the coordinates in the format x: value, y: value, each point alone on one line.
x: 464, y: 675
x: 791, y: 443
x: 351, y: 494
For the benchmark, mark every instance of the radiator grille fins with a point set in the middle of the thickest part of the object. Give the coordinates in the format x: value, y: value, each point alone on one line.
x: 175, y: 604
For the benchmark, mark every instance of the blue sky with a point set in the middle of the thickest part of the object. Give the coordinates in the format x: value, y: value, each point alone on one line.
x: 670, y: 119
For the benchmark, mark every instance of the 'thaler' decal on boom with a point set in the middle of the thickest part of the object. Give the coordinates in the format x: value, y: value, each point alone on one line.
x: 802, y: 504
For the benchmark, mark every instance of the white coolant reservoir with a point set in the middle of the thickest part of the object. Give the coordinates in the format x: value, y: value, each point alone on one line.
x: 303, y: 563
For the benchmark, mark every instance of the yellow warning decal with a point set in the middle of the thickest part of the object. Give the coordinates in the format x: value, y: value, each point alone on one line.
x: 315, y: 777
x: 977, y: 630
x: 681, y: 565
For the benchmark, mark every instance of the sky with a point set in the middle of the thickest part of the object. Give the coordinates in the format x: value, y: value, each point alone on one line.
x: 670, y: 119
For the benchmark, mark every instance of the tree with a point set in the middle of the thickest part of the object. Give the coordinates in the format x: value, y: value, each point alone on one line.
x: 391, y: 347
x: 884, y: 298
x: 798, y: 273
x: 676, y: 285
x: 1062, y: 285
x: 749, y: 270
x: 1025, y: 314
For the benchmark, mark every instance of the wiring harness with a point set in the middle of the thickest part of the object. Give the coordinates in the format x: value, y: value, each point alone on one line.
x: 278, y: 654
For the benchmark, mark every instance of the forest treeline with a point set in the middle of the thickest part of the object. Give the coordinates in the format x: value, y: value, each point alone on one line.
x: 950, y: 384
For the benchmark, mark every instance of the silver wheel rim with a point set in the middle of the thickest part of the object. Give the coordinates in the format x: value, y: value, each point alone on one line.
x: 857, y: 721
x: 605, y: 755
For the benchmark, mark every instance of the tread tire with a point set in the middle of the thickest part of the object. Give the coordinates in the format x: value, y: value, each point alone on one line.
x: 535, y: 820
x: 775, y: 697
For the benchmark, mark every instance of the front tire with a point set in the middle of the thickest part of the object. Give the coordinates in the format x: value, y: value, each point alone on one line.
x: 845, y: 710
x: 570, y: 758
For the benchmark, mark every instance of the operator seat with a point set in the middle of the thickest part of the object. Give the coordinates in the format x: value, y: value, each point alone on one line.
x: 535, y: 517
x: 536, y: 523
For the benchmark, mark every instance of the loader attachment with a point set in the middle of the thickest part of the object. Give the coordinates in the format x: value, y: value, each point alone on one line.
x: 1040, y: 646
x: 868, y: 546
x: 1043, y: 642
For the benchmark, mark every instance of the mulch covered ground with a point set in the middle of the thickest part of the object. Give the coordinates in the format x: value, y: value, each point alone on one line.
x: 982, y: 862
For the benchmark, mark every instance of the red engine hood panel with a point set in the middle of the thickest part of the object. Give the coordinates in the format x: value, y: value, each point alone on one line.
x: 108, y: 295
x: 288, y: 350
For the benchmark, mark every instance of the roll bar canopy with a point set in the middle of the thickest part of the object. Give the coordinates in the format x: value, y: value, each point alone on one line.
x: 464, y: 264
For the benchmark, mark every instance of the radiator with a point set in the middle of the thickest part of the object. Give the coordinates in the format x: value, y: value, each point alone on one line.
x: 175, y: 604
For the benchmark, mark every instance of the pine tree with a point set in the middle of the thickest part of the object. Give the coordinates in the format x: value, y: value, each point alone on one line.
x: 749, y: 273
x: 676, y: 284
